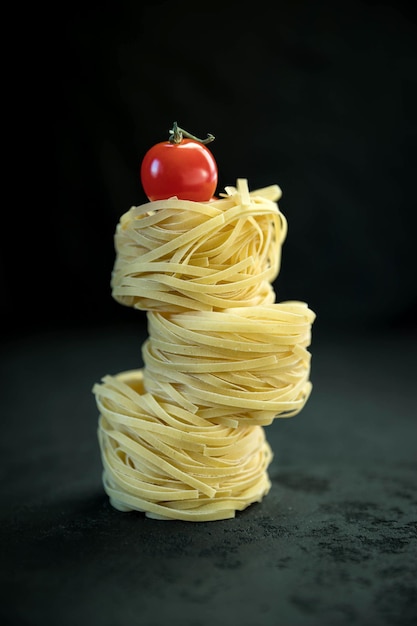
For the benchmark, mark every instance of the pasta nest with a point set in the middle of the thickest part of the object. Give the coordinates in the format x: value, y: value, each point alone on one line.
x: 175, y: 255
x: 244, y: 365
x: 172, y: 464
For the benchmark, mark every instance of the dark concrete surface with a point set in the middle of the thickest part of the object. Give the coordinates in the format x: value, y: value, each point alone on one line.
x: 334, y: 542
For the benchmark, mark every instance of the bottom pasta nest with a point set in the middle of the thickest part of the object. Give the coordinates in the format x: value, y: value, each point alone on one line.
x: 170, y: 463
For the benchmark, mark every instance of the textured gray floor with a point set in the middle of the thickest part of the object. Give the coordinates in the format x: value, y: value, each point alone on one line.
x: 333, y: 543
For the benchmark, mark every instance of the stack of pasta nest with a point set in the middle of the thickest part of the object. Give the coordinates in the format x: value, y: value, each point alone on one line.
x: 183, y: 437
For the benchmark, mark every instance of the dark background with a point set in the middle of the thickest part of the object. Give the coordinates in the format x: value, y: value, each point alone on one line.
x: 317, y: 97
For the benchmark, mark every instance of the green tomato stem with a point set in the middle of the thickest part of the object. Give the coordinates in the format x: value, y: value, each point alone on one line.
x: 177, y: 135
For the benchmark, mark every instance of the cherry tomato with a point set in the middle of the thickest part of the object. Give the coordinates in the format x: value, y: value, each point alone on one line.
x: 186, y: 169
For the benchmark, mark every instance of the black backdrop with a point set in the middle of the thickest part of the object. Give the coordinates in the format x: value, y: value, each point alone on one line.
x: 318, y: 97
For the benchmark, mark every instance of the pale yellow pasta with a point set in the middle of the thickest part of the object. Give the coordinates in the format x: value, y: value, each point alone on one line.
x: 170, y: 466
x: 183, y: 437
x: 251, y: 359
x: 174, y: 255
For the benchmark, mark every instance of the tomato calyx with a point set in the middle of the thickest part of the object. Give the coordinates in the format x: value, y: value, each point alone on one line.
x: 178, y: 134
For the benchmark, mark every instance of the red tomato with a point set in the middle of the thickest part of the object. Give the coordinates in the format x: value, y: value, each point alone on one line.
x: 187, y: 170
